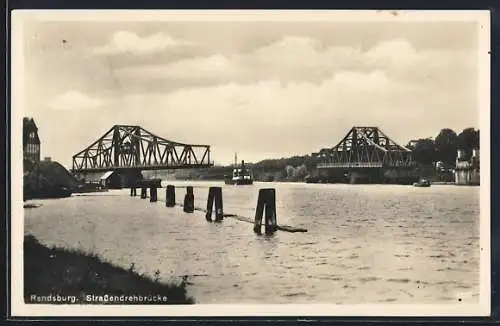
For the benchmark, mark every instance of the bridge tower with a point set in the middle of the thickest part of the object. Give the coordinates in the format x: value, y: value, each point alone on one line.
x: 366, y: 155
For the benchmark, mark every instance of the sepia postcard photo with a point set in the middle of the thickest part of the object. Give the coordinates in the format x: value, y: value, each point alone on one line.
x: 250, y: 163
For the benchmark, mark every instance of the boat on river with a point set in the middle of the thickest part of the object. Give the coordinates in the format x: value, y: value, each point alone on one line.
x: 422, y: 183
x: 242, y: 175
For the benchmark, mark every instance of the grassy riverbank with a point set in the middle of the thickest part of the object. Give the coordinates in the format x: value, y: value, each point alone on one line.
x: 62, y: 272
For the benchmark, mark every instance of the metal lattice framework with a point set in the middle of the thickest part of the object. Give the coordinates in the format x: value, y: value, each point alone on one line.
x: 132, y: 147
x: 365, y: 147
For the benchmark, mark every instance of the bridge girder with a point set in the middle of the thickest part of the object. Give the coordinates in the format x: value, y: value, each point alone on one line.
x: 125, y: 147
x: 365, y: 147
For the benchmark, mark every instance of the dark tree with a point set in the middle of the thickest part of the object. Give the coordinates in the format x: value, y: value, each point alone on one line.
x: 424, y: 151
x: 468, y: 139
x: 446, y: 146
x: 411, y: 145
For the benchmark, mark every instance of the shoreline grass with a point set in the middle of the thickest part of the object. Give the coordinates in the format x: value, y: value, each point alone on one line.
x: 52, y: 272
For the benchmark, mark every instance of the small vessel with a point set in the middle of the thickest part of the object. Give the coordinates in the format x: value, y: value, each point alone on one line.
x: 242, y: 175
x: 422, y: 183
x: 311, y: 179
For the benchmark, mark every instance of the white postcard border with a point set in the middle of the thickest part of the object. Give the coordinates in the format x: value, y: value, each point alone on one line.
x: 19, y: 308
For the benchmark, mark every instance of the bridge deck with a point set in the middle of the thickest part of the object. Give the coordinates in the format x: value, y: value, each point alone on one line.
x: 144, y: 167
x: 362, y: 165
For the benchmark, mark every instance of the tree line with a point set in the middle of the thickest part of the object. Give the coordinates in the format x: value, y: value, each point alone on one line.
x: 308, y: 161
x: 444, y: 147
x: 425, y: 151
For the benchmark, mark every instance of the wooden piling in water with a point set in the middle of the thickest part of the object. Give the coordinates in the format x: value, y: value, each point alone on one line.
x: 215, y: 197
x: 170, y: 196
x: 153, y: 194
x: 144, y: 193
x: 189, y: 200
x: 266, y: 202
x: 133, y: 191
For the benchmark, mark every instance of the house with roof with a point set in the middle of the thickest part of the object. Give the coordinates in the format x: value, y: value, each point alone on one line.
x: 31, y: 141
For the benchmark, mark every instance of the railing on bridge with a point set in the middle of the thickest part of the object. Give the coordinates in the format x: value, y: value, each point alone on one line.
x: 143, y: 167
x: 132, y: 147
x: 349, y: 165
x: 365, y: 165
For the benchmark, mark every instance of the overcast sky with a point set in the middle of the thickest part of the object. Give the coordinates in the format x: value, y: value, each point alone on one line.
x: 264, y: 90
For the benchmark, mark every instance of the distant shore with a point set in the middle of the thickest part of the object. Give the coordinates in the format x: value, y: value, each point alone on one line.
x: 441, y: 183
x: 62, y: 276
x: 437, y: 183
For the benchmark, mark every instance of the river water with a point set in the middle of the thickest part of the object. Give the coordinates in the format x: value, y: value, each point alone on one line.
x: 365, y: 243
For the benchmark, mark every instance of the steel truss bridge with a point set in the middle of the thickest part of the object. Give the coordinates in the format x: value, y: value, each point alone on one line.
x: 364, y: 149
x: 126, y: 148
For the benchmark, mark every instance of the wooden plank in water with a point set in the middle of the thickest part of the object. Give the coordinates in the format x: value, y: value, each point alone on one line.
x: 285, y: 228
x: 292, y: 229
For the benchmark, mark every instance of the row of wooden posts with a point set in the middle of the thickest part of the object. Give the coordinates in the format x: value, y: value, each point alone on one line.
x: 266, y: 205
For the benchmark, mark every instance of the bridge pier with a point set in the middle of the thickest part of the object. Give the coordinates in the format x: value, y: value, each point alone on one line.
x: 332, y: 176
x: 354, y: 177
x: 189, y: 200
x: 153, y: 194
x: 365, y: 176
x: 215, y: 197
x: 402, y: 175
x: 130, y: 178
x: 266, y: 202
x: 170, y: 196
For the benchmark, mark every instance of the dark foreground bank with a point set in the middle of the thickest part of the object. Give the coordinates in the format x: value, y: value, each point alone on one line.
x: 57, y: 275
